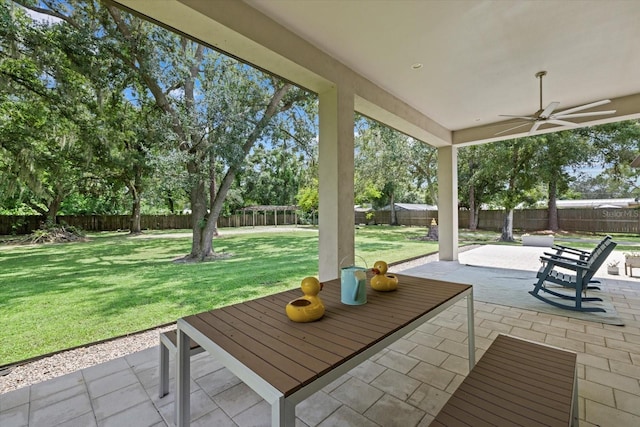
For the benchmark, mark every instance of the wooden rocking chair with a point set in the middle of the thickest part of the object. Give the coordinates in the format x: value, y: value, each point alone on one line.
x: 584, y: 271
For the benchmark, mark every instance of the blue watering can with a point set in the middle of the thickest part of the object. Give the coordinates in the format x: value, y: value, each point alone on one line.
x: 353, y: 285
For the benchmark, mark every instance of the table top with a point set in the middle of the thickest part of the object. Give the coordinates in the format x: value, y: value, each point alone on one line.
x: 290, y: 355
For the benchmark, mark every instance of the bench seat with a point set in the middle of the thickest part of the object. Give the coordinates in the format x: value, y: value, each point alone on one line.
x: 516, y: 383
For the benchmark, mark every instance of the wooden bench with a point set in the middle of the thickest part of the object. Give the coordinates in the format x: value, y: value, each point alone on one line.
x: 169, y: 346
x: 516, y: 383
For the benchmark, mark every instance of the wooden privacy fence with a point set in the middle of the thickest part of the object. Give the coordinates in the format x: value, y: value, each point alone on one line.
x: 18, y: 224
x: 583, y: 220
x: 10, y: 224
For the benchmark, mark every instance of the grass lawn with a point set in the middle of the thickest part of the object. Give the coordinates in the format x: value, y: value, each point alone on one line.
x: 58, y: 296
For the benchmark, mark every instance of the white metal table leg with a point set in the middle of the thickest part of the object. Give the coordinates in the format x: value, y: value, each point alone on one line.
x: 471, y: 331
x: 164, y: 369
x: 283, y: 413
x: 183, y: 392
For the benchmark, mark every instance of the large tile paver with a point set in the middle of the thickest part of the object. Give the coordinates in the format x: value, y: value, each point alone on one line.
x: 110, y: 383
x: 236, y: 399
x: 119, y: 400
x: 392, y: 412
x: 346, y: 416
x: 141, y: 415
x: 17, y: 416
x: 61, y: 411
x: 48, y: 388
x: 610, y: 379
x: 14, y: 398
x: 316, y: 408
x: 357, y: 394
x: 84, y: 420
x: 398, y: 361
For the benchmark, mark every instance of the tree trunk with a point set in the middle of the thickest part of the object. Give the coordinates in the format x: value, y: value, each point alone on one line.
x: 393, y: 219
x: 553, y: 207
x: 170, y: 202
x: 136, y: 193
x: 472, y: 208
x: 477, y: 217
x: 135, y: 215
x: 212, y: 189
x: 507, y: 227
x: 52, y: 211
x: 200, y: 248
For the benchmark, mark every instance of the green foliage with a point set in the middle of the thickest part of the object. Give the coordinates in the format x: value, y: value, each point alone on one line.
x: 134, y: 104
x: 392, y: 167
x: 308, y: 199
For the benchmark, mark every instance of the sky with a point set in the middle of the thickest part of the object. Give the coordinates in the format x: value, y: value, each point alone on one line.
x: 41, y: 17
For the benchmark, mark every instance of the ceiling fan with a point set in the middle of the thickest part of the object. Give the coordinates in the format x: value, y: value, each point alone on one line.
x: 547, y: 115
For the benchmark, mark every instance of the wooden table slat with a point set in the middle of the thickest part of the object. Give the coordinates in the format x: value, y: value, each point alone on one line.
x: 546, y: 382
x: 514, y: 384
x: 280, y: 380
x: 505, y: 415
x: 344, y: 330
x: 286, y: 347
x: 537, y: 390
x: 345, y: 339
x: 287, y: 327
x: 358, y: 324
x: 272, y: 330
x: 508, y: 396
x: 253, y: 344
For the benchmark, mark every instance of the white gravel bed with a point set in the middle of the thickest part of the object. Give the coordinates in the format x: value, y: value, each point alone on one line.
x: 66, y: 362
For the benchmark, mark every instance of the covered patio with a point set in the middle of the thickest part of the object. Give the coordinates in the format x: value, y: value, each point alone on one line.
x: 404, y: 385
x: 441, y: 72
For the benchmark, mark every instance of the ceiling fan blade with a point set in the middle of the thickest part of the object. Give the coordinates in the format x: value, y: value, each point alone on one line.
x: 507, y: 130
x: 530, y: 118
x: 547, y: 111
x: 573, y: 116
x: 584, y: 107
x: 535, y: 127
x: 561, y: 123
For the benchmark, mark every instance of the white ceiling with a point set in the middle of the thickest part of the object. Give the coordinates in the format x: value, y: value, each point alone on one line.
x: 479, y: 57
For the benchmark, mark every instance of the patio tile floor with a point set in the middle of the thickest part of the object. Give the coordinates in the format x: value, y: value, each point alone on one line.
x: 405, y: 385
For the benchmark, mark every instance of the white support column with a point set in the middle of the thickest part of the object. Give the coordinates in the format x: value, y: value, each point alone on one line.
x: 448, y: 203
x: 336, y: 217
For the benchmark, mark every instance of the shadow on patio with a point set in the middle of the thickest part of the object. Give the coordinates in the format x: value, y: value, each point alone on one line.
x: 404, y: 385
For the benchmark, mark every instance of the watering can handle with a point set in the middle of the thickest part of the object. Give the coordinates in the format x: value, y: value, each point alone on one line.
x: 363, y: 260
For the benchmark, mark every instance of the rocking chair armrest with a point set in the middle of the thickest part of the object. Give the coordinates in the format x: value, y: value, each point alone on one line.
x: 559, y: 256
x: 573, y: 264
x: 571, y: 250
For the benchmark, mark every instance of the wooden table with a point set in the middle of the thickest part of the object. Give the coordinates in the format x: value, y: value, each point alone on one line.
x: 286, y: 362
